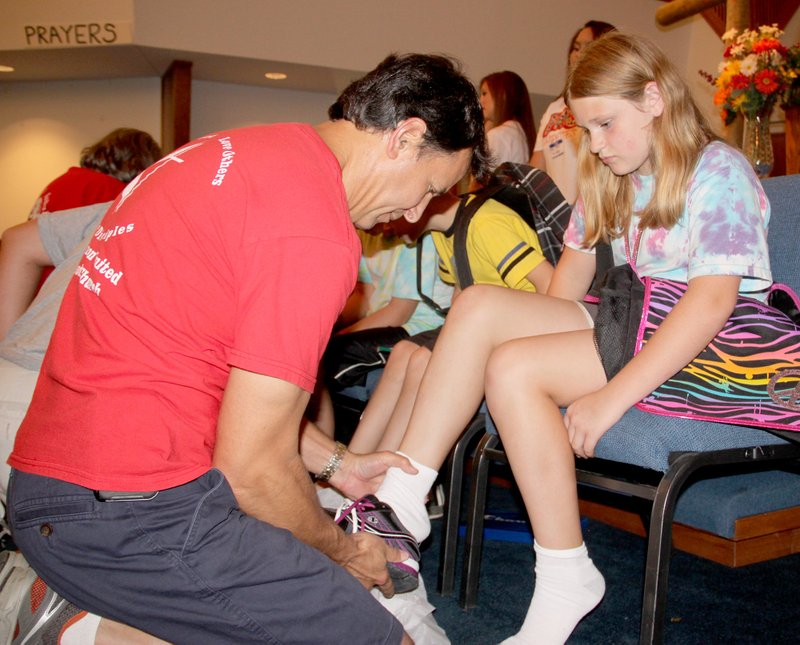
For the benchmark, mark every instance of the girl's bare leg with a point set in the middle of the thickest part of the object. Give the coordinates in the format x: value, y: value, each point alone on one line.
x: 398, y: 422
x: 527, y: 381
x: 452, y: 388
x: 482, y: 318
x: 376, y: 415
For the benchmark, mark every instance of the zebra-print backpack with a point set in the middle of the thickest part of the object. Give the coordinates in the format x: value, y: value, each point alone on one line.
x: 749, y: 374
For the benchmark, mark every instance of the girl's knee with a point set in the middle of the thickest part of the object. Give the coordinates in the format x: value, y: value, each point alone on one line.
x: 419, y: 360
x: 399, y: 356
x: 501, y: 369
x: 510, y: 372
x: 473, y: 302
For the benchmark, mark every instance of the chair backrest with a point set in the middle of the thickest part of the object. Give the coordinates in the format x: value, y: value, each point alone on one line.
x: 784, y: 229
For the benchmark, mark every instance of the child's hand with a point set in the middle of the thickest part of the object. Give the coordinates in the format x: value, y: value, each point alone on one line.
x: 588, y: 419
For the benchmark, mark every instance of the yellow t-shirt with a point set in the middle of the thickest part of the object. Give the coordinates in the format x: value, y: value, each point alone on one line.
x: 502, y: 249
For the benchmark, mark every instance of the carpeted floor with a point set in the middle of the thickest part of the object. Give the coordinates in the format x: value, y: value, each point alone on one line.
x: 708, y: 603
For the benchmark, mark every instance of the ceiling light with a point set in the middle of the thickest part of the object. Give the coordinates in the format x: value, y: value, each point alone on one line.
x: 6, y: 68
x: 275, y: 76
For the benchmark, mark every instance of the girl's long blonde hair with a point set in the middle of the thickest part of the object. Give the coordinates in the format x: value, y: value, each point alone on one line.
x: 619, y: 65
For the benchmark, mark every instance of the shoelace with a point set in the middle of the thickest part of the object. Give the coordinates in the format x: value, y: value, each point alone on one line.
x: 354, y: 512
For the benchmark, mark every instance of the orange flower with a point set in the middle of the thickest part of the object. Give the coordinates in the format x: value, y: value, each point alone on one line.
x: 768, y: 44
x: 721, y: 96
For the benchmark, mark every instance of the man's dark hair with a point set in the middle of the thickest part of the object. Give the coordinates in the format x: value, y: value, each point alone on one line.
x: 428, y: 87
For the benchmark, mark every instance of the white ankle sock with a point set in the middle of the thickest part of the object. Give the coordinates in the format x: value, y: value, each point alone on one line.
x: 406, y: 495
x: 568, y: 586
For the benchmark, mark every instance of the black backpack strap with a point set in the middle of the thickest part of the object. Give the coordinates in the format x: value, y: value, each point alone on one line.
x: 604, y: 260
x: 547, y: 206
x: 466, y: 209
x: 442, y: 311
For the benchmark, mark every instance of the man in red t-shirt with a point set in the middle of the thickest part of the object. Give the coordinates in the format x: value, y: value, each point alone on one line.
x: 165, y: 450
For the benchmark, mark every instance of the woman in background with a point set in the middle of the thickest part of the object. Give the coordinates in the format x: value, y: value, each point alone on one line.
x: 556, y: 148
x: 508, y: 117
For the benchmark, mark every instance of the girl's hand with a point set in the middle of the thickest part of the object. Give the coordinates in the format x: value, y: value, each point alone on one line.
x: 588, y: 419
x: 360, y: 475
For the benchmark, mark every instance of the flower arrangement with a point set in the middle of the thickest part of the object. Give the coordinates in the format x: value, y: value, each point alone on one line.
x: 756, y: 72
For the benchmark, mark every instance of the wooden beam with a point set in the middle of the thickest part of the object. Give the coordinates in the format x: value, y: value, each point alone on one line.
x: 176, y: 105
x: 679, y: 9
x: 737, y: 15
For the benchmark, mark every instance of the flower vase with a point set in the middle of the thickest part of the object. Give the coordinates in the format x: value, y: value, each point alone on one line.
x: 757, y: 144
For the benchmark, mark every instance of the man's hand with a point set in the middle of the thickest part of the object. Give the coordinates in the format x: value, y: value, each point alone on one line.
x: 368, y: 562
x: 360, y: 475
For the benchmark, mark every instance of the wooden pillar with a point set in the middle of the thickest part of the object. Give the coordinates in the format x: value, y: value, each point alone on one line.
x: 737, y: 16
x: 176, y: 105
x: 792, y: 140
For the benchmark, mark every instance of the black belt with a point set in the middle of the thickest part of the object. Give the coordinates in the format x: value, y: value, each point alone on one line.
x: 124, y: 496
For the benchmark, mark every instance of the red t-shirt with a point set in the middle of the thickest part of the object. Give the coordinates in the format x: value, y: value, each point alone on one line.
x: 77, y: 187
x: 237, y: 249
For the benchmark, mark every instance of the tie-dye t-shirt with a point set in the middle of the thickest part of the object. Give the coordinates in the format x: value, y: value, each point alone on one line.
x: 723, y: 229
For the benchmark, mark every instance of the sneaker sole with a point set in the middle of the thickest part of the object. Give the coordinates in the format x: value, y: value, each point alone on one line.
x: 17, y: 578
x: 404, y: 578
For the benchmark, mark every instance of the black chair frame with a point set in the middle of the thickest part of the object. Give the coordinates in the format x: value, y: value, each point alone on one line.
x: 660, y: 490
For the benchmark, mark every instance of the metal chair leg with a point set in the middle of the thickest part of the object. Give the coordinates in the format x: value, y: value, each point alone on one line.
x: 452, y: 505
x: 473, y: 544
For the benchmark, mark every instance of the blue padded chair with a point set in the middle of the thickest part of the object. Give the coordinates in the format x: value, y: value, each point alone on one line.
x: 645, y: 456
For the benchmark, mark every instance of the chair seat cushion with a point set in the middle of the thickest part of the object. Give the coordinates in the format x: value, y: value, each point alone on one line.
x: 716, y: 503
x: 645, y: 439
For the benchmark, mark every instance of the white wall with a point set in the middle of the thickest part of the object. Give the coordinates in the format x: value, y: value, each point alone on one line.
x: 43, y: 126
x: 219, y: 106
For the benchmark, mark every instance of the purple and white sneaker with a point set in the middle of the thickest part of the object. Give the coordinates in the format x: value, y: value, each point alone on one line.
x: 370, y: 515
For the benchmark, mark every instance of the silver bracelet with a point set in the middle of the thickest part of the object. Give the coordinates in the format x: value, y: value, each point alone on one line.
x: 333, y: 463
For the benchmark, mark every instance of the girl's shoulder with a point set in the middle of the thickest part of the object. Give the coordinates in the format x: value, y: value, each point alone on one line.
x: 724, y: 167
x: 718, y: 156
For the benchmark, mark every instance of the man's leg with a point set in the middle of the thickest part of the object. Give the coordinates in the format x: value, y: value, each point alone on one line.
x: 188, y: 566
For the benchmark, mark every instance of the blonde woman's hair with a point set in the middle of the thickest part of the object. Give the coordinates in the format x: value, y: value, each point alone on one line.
x: 619, y: 65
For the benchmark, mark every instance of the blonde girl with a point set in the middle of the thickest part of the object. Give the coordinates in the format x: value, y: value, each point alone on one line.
x: 674, y: 202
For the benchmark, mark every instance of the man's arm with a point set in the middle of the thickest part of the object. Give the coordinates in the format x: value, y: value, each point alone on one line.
x: 22, y: 257
x: 257, y: 449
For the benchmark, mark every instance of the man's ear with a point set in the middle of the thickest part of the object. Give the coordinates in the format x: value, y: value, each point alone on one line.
x: 653, y: 99
x: 407, y: 136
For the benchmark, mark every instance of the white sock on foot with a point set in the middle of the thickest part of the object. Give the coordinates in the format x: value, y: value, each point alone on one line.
x: 568, y: 586
x: 406, y: 495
